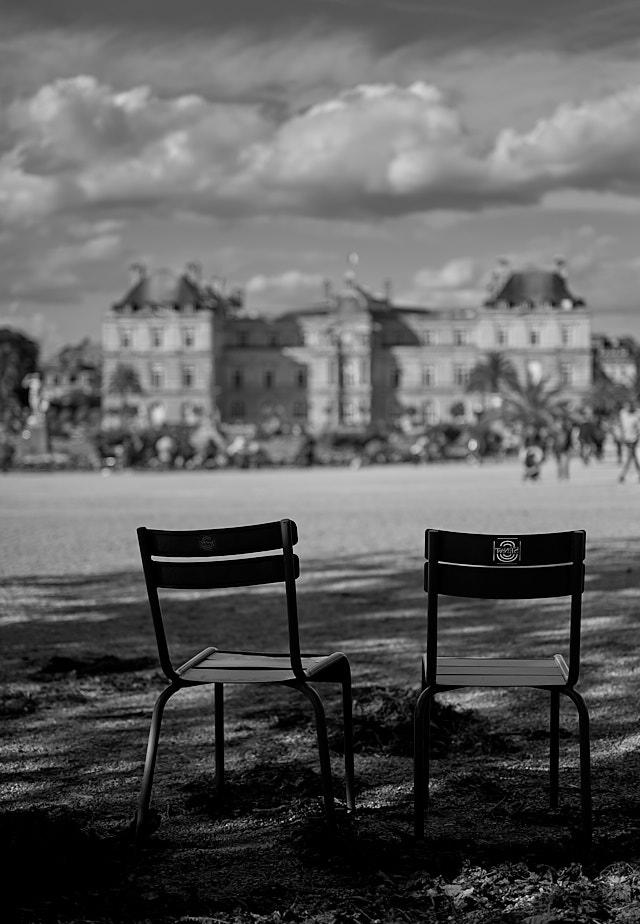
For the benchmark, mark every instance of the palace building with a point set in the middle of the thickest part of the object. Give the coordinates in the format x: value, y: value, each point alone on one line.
x: 353, y: 359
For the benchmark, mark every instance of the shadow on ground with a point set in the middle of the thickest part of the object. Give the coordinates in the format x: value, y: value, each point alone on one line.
x: 80, y: 678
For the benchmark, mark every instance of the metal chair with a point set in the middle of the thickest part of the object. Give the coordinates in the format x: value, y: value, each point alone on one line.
x: 165, y: 560
x: 507, y: 568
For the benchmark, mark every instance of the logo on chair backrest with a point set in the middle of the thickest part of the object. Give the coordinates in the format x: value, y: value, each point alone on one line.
x: 207, y: 543
x: 506, y: 551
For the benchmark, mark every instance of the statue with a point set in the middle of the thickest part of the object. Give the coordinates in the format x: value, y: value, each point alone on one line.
x: 38, y: 400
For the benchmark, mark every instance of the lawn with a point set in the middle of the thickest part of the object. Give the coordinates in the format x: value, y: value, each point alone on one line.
x: 79, y: 678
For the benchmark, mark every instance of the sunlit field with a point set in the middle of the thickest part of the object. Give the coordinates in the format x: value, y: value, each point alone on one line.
x: 81, y: 523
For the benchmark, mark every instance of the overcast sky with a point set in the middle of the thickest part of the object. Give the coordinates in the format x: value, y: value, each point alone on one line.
x: 268, y: 139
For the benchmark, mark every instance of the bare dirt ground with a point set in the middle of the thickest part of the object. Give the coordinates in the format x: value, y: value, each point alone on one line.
x: 79, y: 677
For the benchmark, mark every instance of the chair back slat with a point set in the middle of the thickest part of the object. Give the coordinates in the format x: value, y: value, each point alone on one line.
x: 502, y: 583
x: 242, y: 572
x: 200, y: 543
x: 506, y: 549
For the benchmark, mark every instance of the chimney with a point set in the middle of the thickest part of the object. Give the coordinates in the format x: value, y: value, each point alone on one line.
x: 499, y: 275
x: 350, y: 274
x: 561, y: 267
x: 193, y: 273
x: 137, y: 272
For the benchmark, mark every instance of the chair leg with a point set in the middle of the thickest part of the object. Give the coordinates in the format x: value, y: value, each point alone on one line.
x: 554, y: 749
x: 150, y: 760
x: 421, y: 760
x: 323, y: 750
x: 219, y: 736
x: 347, y: 724
x: 585, y: 763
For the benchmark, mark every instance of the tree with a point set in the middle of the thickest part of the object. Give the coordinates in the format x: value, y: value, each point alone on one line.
x: 76, y: 358
x: 491, y: 374
x: 124, y: 382
x: 606, y: 397
x: 534, y: 403
x: 18, y: 358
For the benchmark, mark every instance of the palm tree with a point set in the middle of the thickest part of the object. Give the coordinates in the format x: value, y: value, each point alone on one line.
x: 534, y: 403
x: 492, y: 375
x: 124, y: 382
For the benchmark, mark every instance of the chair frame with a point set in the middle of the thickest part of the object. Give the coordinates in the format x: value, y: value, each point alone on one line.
x: 156, y: 548
x: 470, y: 565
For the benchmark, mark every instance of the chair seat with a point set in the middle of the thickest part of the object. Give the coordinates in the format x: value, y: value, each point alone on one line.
x: 502, y: 672
x: 212, y: 666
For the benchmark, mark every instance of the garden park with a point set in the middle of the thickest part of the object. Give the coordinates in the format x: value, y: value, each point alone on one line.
x: 80, y: 675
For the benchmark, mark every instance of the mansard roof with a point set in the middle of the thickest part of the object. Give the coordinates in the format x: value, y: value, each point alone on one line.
x: 534, y: 287
x: 162, y: 287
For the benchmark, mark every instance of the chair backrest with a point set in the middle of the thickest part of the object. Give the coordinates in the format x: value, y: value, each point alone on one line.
x: 504, y: 567
x: 201, y: 559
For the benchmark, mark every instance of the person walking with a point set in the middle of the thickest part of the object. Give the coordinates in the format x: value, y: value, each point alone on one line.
x: 629, y: 420
x: 562, y: 444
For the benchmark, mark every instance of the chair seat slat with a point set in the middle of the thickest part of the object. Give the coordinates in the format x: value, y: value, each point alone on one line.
x: 501, y: 680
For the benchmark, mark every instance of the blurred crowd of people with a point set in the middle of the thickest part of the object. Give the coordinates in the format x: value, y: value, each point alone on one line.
x: 565, y: 439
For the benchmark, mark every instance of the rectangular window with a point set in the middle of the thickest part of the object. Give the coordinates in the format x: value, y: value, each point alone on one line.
x: 301, y: 378
x: 125, y: 339
x: 237, y: 409
x: 157, y: 376
x: 428, y: 337
x: 348, y: 412
x: 534, y: 336
x: 428, y: 376
x: 300, y: 409
x: 188, y: 337
x: 243, y: 338
x: 237, y: 378
x: 273, y: 339
x: 502, y: 336
x: 188, y: 376
x: 430, y: 412
x: 566, y: 374
x: 396, y: 377
x: 269, y: 378
x: 157, y: 337
x: 460, y: 375
x: 460, y: 337
x: 565, y: 335
x: 349, y: 372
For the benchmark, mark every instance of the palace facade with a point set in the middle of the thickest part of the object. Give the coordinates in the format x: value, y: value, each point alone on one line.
x: 351, y: 360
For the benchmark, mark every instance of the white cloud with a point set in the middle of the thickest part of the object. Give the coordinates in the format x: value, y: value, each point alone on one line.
x: 460, y: 282
x: 373, y: 150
